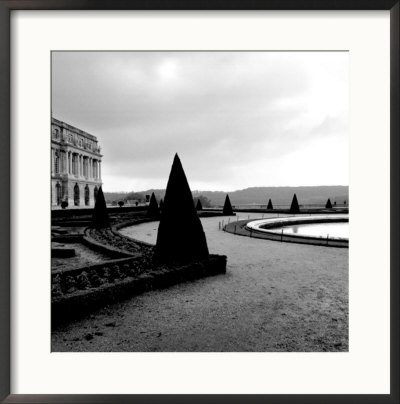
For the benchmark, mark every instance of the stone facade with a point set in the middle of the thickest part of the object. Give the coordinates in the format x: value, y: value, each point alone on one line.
x: 75, y: 166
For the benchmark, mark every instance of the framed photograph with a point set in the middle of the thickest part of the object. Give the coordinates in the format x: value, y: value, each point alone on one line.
x: 199, y: 201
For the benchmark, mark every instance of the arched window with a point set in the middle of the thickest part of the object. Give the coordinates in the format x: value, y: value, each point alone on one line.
x: 76, y: 195
x: 58, y: 194
x: 87, y: 196
x: 96, y: 190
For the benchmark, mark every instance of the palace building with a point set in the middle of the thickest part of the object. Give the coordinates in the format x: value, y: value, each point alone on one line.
x: 75, y: 166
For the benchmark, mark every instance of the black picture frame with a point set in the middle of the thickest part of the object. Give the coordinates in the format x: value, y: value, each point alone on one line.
x: 7, y: 6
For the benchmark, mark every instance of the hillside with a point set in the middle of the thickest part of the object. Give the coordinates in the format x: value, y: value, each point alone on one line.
x: 260, y: 195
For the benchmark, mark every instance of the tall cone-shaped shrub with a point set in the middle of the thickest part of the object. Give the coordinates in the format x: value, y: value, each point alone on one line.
x: 100, y: 216
x: 161, y: 204
x: 328, y: 204
x: 269, y: 206
x: 227, y: 210
x: 153, y: 210
x: 180, y: 235
x: 294, y: 207
x: 199, y: 206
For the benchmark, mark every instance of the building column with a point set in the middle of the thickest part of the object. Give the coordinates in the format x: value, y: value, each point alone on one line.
x: 100, y: 170
x: 52, y: 161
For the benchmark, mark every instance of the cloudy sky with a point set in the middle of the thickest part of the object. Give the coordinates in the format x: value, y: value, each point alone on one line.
x: 236, y: 119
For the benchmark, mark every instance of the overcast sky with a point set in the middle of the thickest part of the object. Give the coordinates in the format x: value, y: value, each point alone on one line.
x: 236, y: 119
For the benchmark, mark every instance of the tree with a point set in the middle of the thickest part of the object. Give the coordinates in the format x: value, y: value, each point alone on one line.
x: 135, y: 195
x: 227, y: 210
x: 205, y: 202
x: 294, y: 207
x: 328, y: 204
x: 161, y: 206
x: 153, y: 210
x: 180, y: 235
x: 100, y: 215
x: 199, y: 206
x: 64, y: 204
x: 269, y: 206
x: 121, y: 204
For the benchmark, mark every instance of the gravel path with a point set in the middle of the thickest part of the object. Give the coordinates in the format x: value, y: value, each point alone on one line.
x: 274, y: 297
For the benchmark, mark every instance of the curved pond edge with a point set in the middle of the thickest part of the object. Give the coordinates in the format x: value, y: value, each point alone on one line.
x: 262, y: 228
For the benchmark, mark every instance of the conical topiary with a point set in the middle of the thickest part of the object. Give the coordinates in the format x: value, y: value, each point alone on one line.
x: 269, y: 206
x: 227, y: 210
x: 100, y: 215
x: 161, y: 206
x: 153, y: 210
x: 328, y: 204
x: 180, y: 235
x: 199, y: 206
x: 294, y: 207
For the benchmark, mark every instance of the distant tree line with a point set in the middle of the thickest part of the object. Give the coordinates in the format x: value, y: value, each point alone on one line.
x: 204, y: 202
x: 114, y: 198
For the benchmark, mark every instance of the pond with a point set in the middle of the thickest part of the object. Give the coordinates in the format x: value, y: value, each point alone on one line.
x: 333, y: 230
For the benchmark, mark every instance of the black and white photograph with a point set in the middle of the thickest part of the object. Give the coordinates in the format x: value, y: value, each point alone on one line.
x: 199, y: 201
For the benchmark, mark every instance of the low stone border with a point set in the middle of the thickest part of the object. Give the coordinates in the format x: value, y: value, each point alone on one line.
x: 240, y: 229
x: 306, y: 211
x: 78, y: 292
x: 62, y: 252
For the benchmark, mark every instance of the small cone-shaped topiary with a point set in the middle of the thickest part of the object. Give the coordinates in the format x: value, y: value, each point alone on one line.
x: 153, y: 210
x: 294, y: 207
x: 227, y: 210
x: 180, y: 235
x: 328, y: 204
x: 161, y: 204
x: 269, y: 206
x: 199, y: 206
x: 100, y: 215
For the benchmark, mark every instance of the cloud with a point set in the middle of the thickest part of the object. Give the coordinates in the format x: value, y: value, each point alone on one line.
x: 216, y: 109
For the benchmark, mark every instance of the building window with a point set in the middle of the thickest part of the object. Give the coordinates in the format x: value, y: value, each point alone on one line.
x: 85, y: 167
x: 58, y: 194
x: 87, y: 196
x: 76, y: 195
x: 74, y: 164
x: 57, y: 162
x: 56, y: 133
x: 64, y: 191
x: 96, y: 190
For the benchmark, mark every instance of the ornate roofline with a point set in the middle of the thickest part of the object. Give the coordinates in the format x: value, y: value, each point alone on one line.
x: 73, y: 129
